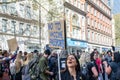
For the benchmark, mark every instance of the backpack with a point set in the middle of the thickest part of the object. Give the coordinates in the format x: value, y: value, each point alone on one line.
x: 85, y: 72
x: 34, y: 70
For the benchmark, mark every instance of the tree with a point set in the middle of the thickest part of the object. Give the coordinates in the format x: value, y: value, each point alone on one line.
x: 117, y: 29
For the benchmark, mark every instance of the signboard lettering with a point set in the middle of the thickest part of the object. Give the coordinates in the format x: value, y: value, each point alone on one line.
x: 56, y: 34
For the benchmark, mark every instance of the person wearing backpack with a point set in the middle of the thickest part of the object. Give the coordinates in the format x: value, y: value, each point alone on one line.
x: 115, y: 66
x: 33, y: 66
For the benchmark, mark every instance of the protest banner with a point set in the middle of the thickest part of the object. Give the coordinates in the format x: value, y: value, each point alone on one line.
x: 56, y: 34
x: 12, y: 44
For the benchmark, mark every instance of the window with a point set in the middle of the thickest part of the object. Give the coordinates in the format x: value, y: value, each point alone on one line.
x: 27, y: 30
x: 67, y: 13
x: 12, y: 10
x: 92, y: 36
x: 4, y: 25
x: 28, y: 12
x: 92, y: 22
x: 35, y: 30
x: 79, y: 4
x: 95, y: 12
x: 82, y: 6
x: 22, y: 10
x: 13, y: 27
x: 88, y: 35
x: 88, y: 8
x: 83, y: 21
x: 88, y: 20
x: 74, y: 31
x: 21, y: 28
x: 75, y: 20
x: 4, y: 6
x: 77, y: 32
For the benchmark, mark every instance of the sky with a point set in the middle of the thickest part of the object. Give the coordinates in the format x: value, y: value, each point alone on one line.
x: 116, y: 7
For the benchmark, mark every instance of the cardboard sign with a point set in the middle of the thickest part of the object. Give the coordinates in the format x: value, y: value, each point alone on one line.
x: 12, y: 44
x: 56, y: 34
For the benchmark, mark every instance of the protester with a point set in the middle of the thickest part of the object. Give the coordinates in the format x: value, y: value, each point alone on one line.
x: 115, y: 67
x: 43, y: 65
x: 53, y: 65
x: 72, y: 71
x: 92, y: 67
x: 25, y: 71
x: 18, y: 66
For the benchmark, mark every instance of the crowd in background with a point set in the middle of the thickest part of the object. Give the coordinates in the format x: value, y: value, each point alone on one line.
x: 34, y: 66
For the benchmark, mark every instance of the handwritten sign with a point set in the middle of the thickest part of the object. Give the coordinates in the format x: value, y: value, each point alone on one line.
x: 56, y: 34
x: 12, y: 44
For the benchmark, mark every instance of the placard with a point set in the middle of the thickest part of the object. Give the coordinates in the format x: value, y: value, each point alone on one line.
x: 56, y: 34
x: 12, y: 44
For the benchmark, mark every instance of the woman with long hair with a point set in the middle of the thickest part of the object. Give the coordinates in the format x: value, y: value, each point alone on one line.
x: 72, y: 71
x: 18, y: 67
x: 25, y: 74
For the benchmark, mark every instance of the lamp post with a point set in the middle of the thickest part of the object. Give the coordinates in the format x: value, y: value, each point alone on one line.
x: 40, y: 26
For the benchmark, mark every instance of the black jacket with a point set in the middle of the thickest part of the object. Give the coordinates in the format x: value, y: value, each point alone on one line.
x: 66, y: 76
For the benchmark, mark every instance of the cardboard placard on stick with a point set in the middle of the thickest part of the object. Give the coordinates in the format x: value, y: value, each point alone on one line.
x: 12, y: 44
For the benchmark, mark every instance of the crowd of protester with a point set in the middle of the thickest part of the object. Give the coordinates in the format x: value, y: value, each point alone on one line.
x: 34, y: 66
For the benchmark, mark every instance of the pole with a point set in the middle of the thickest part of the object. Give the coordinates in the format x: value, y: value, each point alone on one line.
x: 58, y: 54
x: 40, y: 26
x: 65, y: 32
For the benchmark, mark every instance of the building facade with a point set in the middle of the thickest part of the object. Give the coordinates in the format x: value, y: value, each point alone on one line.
x: 75, y: 16
x: 88, y: 24
x: 99, y: 25
x: 20, y: 21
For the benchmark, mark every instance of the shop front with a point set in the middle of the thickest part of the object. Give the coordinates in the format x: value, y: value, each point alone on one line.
x: 76, y: 46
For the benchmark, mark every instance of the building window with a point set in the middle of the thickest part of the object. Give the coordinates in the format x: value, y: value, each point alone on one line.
x: 27, y: 30
x: 21, y: 28
x: 75, y: 20
x: 82, y: 6
x: 88, y: 8
x: 13, y: 27
x: 88, y: 20
x: 4, y: 8
x: 92, y: 36
x: 35, y: 30
x: 74, y: 31
x: 79, y: 4
x: 92, y: 22
x: 88, y: 35
x: 12, y: 10
x: 95, y: 12
x: 28, y: 12
x: 22, y: 10
x: 4, y: 25
x: 83, y: 21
